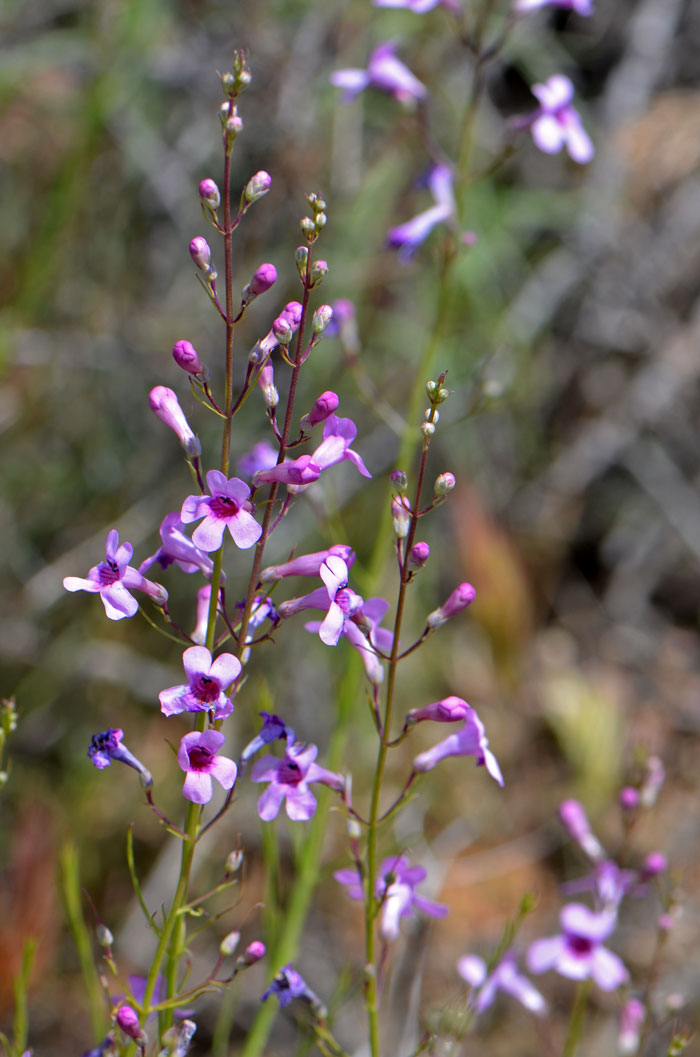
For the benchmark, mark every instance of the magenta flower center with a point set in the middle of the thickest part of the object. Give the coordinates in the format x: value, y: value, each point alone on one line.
x: 200, y: 758
x: 289, y: 773
x: 222, y: 506
x: 108, y: 572
x: 580, y: 946
x: 206, y: 689
x: 345, y: 599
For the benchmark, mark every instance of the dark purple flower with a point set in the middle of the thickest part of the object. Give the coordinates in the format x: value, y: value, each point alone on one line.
x: 503, y: 977
x: 197, y: 756
x: 407, y: 237
x: 578, y: 952
x: 272, y: 729
x: 460, y: 598
x: 556, y: 123
x: 178, y: 548
x: 288, y: 985
x: 289, y: 779
x: 394, y: 888
x: 384, y: 72
x: 471, y: 740
x: 113, y: 579
x: 107, y: 746
x: 207, y: 682
x: 224, y: 509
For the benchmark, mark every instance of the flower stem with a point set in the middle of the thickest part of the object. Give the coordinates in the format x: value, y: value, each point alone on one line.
x: 578, y: 1013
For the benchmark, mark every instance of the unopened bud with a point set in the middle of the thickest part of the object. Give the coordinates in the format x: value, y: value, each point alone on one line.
x: 254, y: 952
x: 257, y: 186
x: 201, y: 255
x: 165, y: 406
x: 427, y: 429
x: 437, y: 394
x: 632, y: 1017
x: 127, y: 1019
x: 418, y: 555
x: 653, y: 780
x: 104, y: 936
x: 301, y: 256
x: 185, y: 356
x: 326, y: 405
x: 321, y: 220
x: 233, y: 126
x: 399, y: 479
x: 400, y: 516
x: 460, y: 598
x: 444, y: 484
x: 266, y: 381
x: 282, y: 330
x: 234, y: 861
x: 431, y: 415
x: 308, y: 227
x: 264, y: 278
x: 209, y: 193
x: 316, y: 202
x: 318, y: 272
x: 321, y: 318
x: 229, y: 943
x: 225, y: 108
x: 654, y: 864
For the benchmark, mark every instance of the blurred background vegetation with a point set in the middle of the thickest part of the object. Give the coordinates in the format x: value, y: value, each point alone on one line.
x: 574, y: 331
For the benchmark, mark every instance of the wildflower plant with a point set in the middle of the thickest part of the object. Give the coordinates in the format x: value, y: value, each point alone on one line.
x: 234, y: 504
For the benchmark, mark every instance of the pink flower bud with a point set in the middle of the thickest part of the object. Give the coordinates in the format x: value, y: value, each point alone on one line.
x: 632, y: 1017
x: 185, y: 356
x: 400, y: 515
x: 254, y: 952
x: 257, y: 186
x: 318, y: 272
x: 449, y: 710
x: 444, y: 484
x: 201, y: 253
x: 264, y: 278
x: 399, y: 479
x: 321, y: 318
x: 165, y: 406
x: 460, y: 598
x: 292, y: 313
x: 266, y: 381
x: 574, y: 819
x: 629, y: 798
x: 209, y: 193
x: 418, y: 556
x: 326, y: 404
x: 127, y: 1019
x: 654, y: 864
x: 282, y: 330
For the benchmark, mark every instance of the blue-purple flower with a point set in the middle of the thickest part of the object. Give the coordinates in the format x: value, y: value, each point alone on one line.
x: 207, y: 682
x: 287, y: 985
x: 577, y: 952
x: 114, y: 579
x: 179, y: 548
x: 289, y: 780
x: 407, y: 237
x: 503, y: 977
x: 107, y: 746
x: 273, y: 728
x: 224, y: 508
x: 395, y: 889
x: 556, y: 123
x: 197, y: 756
x: 384, y: 72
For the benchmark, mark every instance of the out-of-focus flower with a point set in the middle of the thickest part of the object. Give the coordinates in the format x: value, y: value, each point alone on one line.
x: 581, y: 7
x: 289, y: 780
x: 179, y: 548
x: 262, y: 456
x: 407, y: 237
x: 394, y: 887
x: 573, y: 817
x: 272, y: 729
x: 556, y: 123
x: 471, y: 740
x: 207, y: 682
x: 224, y: 509
x: 503, y: 977
x: 287, y: 985
x: 114, y: 578
x: 384, y: 72
x: 632, y: 1017
x: 577, y: 952
x: 197, y: 756
x: 338, y: 435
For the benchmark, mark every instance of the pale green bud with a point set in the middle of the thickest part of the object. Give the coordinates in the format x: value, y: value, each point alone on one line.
x: 229, y: 943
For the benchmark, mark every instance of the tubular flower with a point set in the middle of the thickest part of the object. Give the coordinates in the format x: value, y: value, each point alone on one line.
x: 338, y: 435
x: 107, y: 746
x: 471, y: 740
x: 289, y: 780
x: 114, y: 578
x: 394, y: 888
x: 207, y: 682
x: 384, y: 72
x: 178, y: 548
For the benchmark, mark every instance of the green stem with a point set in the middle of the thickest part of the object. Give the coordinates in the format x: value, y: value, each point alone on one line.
x: 578, y: 1014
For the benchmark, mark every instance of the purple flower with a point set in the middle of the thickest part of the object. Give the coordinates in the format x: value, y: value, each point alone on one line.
x: 338, y: 435
x: 460, y: 598
x: 573, y: 817
x: 178, y: 548
x: 114, y: 579
x: 471, y: 740
x: 394, y: 888
x: 166, y: 407
x: 207, y: 682
x: 307, y: 564
x: 503, y: 977
x: 578, y: 952
x: 225, y: 509
x: 419, y: 7
x: 107, y: 746
x: 289, y: 779
x: 197, y: 756
x: 343, y: 602
x: 262, y: 456
x: 326, y: 405
x: 186, y: 357
x: 273, y: 728
x: 556, y: 123
x: 384, y: 72
x: 407, y: 237
x: 288, y: 985
x: 632, y: 1017
x: 127, y: 1019
x: 581, y: 7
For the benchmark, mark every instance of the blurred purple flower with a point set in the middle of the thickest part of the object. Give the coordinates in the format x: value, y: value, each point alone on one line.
x: 419, y: 7
x: 581, y: 7
x: 114, y: 579
x: 384, y: 72
x: 556, y: 123
x: 224, y: 509
x: 178, y: 548
x: 272, y: 729
x: 288, y: 985
x: 197, y: 756
x: 394, y: 888
x: 262, y: 456
x: 407, y: 237
x: 207, y: 682
x: 578, y: 952
x: 289, y: 779
x: 503, y: 977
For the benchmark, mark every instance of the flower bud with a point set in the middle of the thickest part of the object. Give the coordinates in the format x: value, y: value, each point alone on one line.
x: 399, y: 479
x: 444, y: 484
x: 282, y: 330
x: 431, y: 415
x: 263, y: 279
x: 292, y: 313
x: 437, y: 394
x: 326, y: 404
x: 321, y: 220
x: 254, y: 952
x: 185, y: 356
x: 165, y: 406
x: 301, y: 256
x: 225, y: 108
x: 460, y: 598
x: 653, y: 780
x: 233, y: 126
x: 257, y: 186
x: 127, y: 1019
x: 574, y: 819
x: 632, y: 1017
x: 427, y: 429
x: 654, y: 864
x: 266, y: 381
x: 318, y: 272
x: 316, y: 202
x: 209, y: 193
x: 308, y: 228
x: 201, y: 255
x: 418, y: 555
x: 104, y: 936
x: 229, y: 943
x: 321, y: 318
x: 400, y: 516
x: 629, y: 798
x: 234, y: 861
